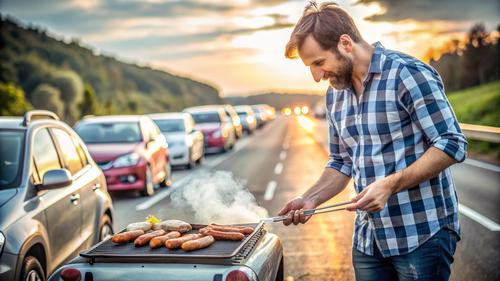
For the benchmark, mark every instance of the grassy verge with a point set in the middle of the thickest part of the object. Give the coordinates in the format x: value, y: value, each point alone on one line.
x: 481, y: 106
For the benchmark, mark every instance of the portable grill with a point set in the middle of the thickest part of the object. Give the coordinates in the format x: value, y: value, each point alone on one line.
x: 220, y: 252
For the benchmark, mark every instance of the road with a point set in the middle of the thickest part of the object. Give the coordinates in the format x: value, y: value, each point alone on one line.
x: 281, y: 161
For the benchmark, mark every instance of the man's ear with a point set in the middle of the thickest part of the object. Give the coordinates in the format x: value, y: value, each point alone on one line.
x: 345, y: 43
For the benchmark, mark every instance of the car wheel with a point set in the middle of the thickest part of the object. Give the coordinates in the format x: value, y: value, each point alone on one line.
x: 106, y: 229
x: 167, y: 181
x: 32, y: 270
x: 149, y: 187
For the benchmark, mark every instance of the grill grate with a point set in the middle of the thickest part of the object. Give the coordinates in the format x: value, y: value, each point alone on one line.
x: 221, y: 251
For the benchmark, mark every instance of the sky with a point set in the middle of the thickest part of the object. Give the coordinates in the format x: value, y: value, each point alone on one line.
x: 238, y: 45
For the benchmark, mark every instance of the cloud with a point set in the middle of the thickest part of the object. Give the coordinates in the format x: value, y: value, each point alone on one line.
x: 427, y: 10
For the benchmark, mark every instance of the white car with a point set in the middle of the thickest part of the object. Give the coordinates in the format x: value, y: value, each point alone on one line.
x: 185, y: 143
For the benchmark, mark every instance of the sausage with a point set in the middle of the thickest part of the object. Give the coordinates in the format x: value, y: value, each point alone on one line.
x: 199, y: 243
x: 145, y: 238
x: 177, y: 242
x: 128, y: 236
x: 159, y: 241
x: 144, y: 225
x: 226, y: 228
x: 221, y: 235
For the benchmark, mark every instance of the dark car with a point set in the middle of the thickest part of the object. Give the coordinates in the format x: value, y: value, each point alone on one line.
x: 53, y: 197
x: 130, y: 149
x: 216, y: 126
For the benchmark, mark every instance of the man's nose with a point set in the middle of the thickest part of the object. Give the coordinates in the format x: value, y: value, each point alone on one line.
x: 317, y: 74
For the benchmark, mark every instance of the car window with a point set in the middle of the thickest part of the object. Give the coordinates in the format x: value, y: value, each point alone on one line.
x: 80, y: 150
x: 11, y: 157
x: 206, y: 117
x: 72, y: 160
x: 170, y: 125
x: 119, y: 132
x: 44, y: 153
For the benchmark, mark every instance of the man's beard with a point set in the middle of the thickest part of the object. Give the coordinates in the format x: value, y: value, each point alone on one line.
x: 342, y: 79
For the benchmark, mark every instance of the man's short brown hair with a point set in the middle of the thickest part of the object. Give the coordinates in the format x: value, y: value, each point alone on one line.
x: 326, y: 23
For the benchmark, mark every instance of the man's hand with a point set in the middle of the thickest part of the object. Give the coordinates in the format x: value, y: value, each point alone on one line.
x: 294, y: 210
x: 374, y: 197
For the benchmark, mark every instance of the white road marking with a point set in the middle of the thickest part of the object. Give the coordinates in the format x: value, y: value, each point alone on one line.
x: 278, y: 168
x: 477, y: 217
x: 483, y: 165
x: 270, y: 189
x: 283, y: 155
x: 163, y: 194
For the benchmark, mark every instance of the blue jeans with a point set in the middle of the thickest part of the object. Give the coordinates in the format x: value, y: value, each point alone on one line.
x: 431, y: 261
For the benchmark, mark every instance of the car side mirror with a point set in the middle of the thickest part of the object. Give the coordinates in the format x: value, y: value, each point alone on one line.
x: 56, y: 178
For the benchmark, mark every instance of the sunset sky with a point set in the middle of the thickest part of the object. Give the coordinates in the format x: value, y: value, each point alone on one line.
x: 238, y: 45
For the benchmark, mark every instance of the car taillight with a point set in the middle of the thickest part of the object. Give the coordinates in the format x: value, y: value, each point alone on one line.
x: 237, y: 275
x: 71, y: 274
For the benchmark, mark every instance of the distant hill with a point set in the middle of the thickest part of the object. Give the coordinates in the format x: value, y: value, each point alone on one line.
x: 30, y: 58
x: 277, y: 100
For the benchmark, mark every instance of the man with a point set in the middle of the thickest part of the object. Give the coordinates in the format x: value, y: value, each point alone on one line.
x: 393, y: 131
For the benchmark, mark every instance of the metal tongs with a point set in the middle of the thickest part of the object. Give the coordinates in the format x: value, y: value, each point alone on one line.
x: 310, y: 212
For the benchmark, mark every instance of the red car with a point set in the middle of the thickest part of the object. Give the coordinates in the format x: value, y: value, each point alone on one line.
x: 216, y: 126
x: 130, y: 150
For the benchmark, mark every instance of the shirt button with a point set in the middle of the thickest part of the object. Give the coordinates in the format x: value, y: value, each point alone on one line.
x: 359, y: 117
x: 363, y: 182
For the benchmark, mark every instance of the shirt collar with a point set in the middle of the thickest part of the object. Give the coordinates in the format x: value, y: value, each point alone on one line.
x: 376, y: 61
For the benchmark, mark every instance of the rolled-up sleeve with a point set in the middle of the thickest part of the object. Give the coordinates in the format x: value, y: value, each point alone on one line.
x: 339, y: 159
x: 421, y: 92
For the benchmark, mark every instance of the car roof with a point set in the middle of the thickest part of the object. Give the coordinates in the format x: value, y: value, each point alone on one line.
x: 112, y: 118
x: 7, y: 122
x: 169, y: 115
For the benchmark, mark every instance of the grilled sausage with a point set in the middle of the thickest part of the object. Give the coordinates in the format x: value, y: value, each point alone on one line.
x: 226, y: 228
x: 145, y: 238
x: 221, y: 235
x: 176, y: 243
x: 199, y: 243
x: 144, y: 225
x: 128, y: 236
x: 159, y: 241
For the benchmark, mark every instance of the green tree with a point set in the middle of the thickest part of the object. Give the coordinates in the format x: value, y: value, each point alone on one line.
x: 47, y: 97
x: 71, y: 90
x: 12, y: 100
x: 88, y: 106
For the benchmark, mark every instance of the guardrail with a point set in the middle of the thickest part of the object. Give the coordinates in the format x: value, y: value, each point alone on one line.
x: 478, y: 132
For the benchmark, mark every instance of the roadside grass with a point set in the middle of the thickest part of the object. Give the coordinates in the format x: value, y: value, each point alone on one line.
x: 480, y: 106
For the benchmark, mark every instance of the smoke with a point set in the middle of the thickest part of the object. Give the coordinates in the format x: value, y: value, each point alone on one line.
x: 217, y: 197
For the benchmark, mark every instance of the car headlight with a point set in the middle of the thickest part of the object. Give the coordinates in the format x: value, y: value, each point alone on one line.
x: 250, y: 119
x: 127, y: 160
x: 216, y: 134
x: 2, y: 242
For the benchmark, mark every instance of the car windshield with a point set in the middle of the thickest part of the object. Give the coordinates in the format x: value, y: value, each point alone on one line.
x: 170, y: 125
x: 206, y: 117
x: 121, y: 132
x: 11, y: 157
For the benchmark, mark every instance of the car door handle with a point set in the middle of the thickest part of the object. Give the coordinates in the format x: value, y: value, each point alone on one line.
x: 96, y: 186
x: 74, y: 198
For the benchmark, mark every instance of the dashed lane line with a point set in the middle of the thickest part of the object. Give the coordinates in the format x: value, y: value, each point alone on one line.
x: 477, y: 217
x: 278, y: 168
x: 270, y: 189
x: 283, y: 155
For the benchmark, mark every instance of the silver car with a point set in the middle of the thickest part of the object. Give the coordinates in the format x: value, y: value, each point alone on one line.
x: 185, y: 143
x: 53, y: 198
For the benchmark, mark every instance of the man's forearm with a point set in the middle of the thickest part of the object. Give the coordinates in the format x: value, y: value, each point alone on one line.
x: 330, y: 183
x: 432, y: 162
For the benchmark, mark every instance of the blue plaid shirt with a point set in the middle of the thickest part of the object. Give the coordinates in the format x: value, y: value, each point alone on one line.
x: 402, y: 112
